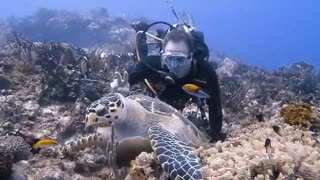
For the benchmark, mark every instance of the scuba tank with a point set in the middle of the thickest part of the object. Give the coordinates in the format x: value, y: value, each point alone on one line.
x: 200, y: 49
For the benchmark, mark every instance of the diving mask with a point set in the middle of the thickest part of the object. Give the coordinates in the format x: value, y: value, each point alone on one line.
x: 176, y: 57
x: 177, y: 65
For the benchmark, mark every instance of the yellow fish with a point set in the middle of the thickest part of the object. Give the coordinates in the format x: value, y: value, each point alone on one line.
x: 195, y: 90
x: 39, y: 143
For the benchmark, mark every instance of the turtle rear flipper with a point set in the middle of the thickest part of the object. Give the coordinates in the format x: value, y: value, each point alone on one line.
x: 176, y: 157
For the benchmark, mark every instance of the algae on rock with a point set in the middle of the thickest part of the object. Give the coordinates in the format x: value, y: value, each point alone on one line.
x: 296, y: 114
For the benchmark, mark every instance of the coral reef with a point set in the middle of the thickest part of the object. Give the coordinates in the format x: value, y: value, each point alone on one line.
x: 251, y: 91
x: 44, y: 93
x: 296, y: 114
x: 60, y: 25
x: 145, y: 166
x: 243, y: 155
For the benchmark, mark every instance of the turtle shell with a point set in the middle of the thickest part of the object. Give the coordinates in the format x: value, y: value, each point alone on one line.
x: 153, y: 105
x: 157, y: 106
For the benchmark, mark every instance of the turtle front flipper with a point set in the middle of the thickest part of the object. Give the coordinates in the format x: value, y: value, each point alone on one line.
x: 176, y: 157
x: 83, y: 142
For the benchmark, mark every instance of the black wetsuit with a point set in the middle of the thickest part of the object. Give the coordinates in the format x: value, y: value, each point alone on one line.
x: 202, y: 75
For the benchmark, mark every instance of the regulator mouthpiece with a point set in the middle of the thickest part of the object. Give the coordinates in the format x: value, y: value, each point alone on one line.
x: 170, y: 78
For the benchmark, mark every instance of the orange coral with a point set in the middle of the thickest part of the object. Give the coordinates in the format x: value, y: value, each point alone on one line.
x: 296, y: 114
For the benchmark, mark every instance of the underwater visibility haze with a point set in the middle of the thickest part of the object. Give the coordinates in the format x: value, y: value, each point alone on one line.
x: 268, y: 34
x: 88, y: 92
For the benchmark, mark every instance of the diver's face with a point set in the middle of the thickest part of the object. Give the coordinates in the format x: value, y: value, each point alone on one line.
x: 177, y: 58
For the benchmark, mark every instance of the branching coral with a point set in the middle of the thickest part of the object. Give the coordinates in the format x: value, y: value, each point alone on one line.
x: 145, y: 166
x: 296, y: 114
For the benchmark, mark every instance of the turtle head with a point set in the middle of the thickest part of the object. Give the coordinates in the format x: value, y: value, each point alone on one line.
x: 105, y: 111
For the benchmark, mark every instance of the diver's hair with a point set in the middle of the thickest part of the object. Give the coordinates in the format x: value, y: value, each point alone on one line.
x: 178, y: 34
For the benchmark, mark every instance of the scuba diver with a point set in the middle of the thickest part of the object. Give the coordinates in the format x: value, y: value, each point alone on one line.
x: 182, y: 61
x: 141, y: 39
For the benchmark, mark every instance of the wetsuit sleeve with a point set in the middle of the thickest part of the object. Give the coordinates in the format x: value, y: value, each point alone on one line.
x: 214, y: 102
x: 141, y: 70
x: 137, y: 73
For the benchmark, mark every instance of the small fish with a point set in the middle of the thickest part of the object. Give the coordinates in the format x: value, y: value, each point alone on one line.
x: 84, y: 66
x: 195, y: 90
x: 133, y: 165
x: 277, y: 129
x: 312, y: 135
x: 267, y: 145
x: 135, y: 170
x: 275, y: 172
x: 260, y: 117
x: 40, y: 143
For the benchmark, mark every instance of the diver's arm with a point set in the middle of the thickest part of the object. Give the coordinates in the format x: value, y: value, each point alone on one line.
x: 133, y: 75
x: 145, y: 68
x: 137, y: 73
x: 214, y: 103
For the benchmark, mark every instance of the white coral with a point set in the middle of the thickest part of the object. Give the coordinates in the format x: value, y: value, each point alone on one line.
x: 245, y: 153
x: 227, y: 67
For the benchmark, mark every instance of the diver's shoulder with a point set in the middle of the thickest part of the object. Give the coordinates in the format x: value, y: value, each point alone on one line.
x: 153, y: 60
x: 205, y: 65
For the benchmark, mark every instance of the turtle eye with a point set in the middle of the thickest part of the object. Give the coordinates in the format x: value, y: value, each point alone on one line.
x: 96, y: 120
x: 92, y: 111
x: 101, y: 112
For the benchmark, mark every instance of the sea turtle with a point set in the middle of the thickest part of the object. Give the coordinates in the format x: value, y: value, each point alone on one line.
x: 142, y: 123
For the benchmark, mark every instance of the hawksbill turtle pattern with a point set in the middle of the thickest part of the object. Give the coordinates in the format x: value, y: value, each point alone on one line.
x: 141, y: 123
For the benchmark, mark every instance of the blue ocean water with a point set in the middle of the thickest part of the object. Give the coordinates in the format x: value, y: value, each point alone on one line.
x: 268, y: 34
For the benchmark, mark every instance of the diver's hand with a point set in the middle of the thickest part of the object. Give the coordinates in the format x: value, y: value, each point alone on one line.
x: 214, y: 137
x: 120, y: 85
